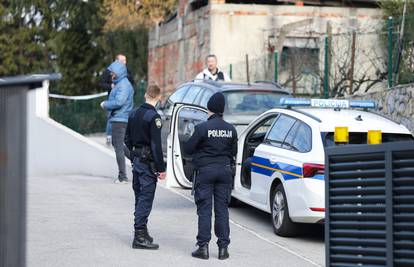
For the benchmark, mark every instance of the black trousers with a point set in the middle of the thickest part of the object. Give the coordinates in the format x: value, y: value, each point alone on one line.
x: 144, y: 184
x: 213, y: 182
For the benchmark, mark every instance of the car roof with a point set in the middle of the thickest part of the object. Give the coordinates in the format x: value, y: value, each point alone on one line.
x: 356, y: 120
x: 220, y: 86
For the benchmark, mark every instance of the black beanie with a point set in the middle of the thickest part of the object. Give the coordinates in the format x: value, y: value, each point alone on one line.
x: 216, y: 103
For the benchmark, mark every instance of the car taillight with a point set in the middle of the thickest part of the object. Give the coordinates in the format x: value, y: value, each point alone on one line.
x: 311, y: 169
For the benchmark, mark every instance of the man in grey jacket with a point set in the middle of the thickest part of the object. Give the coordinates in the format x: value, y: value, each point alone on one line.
x: 119, y: 104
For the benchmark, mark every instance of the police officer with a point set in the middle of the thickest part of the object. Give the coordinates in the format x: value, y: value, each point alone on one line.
x: 214, y: 146
x: 143, y: 138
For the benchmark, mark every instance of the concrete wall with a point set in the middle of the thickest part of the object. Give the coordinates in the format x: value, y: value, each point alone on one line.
x: 239, y: 29
x: 396, y: 104
x: 54, y: 149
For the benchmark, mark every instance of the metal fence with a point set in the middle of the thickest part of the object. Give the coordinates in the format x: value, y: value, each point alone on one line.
x: 345, y: 59
x: 370, y: 205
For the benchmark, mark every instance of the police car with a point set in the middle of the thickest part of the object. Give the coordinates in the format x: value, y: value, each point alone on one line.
x: 280, y: 161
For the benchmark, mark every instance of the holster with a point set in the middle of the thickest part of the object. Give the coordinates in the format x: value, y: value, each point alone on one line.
x: 143, y: 153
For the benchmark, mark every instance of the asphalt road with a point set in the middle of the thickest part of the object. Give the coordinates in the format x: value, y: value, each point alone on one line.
x: 87, y: 221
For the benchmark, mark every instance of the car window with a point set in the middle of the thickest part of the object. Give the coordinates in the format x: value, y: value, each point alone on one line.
x: 290, y: 137
x: 251, y: 102
x: 280, y: 129
x: 303, y: 138
x: 199, y: 96
x: 191, y: 94
x: 177, y: 96
x: 262, y: 128
x: 206, y: 96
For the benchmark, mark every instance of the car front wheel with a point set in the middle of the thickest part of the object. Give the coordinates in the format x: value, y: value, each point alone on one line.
x: 282, y: 224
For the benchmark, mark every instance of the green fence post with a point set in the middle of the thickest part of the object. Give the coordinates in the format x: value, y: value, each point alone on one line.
x: 326, y: 75
x: 276, y: 59
x: 231, y: 71
x: 390, y: 50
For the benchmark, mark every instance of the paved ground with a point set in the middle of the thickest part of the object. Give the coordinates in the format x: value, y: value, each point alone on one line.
x: 87, y: 221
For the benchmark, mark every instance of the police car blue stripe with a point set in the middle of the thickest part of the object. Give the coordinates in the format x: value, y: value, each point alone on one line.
x: 263, y: 166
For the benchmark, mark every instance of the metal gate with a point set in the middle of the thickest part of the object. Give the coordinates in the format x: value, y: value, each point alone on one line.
x: 370, y: 205
x: 13, y: 109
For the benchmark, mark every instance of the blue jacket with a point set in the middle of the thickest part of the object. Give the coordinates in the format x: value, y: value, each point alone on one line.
x: 120, y: 101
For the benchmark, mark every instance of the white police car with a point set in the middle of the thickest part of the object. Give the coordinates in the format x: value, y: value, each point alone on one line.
x: 280, y: 161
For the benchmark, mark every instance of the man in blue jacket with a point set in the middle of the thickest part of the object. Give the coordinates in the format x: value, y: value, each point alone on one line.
x: 119, y: 104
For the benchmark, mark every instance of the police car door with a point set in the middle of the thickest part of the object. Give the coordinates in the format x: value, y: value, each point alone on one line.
x: 179, y: 165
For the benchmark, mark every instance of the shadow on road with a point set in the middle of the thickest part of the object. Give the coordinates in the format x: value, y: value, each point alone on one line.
x: 310, y: 232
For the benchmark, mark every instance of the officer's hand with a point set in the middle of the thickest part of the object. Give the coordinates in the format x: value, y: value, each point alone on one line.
x: 102, y: 104
x: 161, y: 176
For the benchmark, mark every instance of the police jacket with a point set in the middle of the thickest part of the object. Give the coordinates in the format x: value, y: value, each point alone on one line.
x: 105, y: 80
x: 144, y: 129
x: 213, y: 142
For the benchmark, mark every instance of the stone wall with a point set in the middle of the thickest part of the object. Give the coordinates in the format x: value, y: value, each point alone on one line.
x: 396, y: 104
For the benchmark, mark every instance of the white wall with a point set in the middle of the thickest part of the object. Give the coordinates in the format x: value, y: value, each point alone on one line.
x: 240, y: 29
x: 54, y: 149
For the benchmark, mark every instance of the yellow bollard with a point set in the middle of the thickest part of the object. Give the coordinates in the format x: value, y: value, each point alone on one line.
x: 341, y: 135
x: 374, y: 137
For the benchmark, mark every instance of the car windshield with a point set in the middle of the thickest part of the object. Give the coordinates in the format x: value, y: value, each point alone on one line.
x: 361, y: 138
x: 251, y: 102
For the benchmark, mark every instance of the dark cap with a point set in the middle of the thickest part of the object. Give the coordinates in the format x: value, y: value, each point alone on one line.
x: 216, y: 103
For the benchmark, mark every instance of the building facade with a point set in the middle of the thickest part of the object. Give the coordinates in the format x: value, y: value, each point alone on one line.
x: 296, y: 30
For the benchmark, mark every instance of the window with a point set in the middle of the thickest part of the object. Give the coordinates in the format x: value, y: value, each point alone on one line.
x: 174, y: 98
x: 199, y: 97
x: 191, y: 94
x: 206, y: 97
x: 280, y: 129
x: 251, y: 102
x: 303, y: 138
x: 288, y: 143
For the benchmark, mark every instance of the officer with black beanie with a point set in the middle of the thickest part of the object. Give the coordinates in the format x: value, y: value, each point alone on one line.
x: 214, y: 148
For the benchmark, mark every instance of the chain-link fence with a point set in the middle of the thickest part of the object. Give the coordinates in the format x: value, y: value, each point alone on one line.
x: 85, y: 116
x: 342, y: 61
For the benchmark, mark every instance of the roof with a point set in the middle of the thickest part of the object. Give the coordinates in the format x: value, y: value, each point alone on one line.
x: 33, y: 80
x: 230, y: 86
x: 355, y: 120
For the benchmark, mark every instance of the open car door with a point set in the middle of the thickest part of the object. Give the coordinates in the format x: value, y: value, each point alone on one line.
x: 179, y: 165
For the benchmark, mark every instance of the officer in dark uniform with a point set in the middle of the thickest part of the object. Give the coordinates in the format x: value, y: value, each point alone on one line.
x: 143, y: 138
x: 214, y: 146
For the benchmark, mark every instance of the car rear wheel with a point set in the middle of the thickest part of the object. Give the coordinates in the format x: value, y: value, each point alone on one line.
x: 282, y: 224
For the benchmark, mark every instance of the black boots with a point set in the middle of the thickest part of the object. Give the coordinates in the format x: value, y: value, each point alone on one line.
x: 148, y: 236
x: 223, y: 253
x: 142, y: 240
x: 201, y: 252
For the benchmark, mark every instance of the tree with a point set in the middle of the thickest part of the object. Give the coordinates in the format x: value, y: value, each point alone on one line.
x: 22, y: 43
x: 78, y: 47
